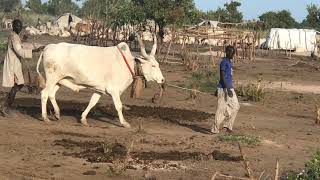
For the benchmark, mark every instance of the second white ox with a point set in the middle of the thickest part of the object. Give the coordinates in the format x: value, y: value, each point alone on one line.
x: 100, y: 68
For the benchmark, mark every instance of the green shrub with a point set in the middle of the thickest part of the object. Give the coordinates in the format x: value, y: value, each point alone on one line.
x: 247, y: 139
x: 205, y: 81
x: 311, y: 171
x: 3, y: 46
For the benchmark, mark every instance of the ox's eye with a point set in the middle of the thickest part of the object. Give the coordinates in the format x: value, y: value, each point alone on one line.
x: 154, y: 66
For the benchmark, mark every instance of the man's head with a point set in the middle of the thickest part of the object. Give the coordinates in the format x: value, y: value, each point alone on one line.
x: 230, y: 51
x: 17, y: 26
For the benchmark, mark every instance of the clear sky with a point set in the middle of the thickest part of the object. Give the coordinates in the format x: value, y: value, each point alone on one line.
x: 251, y: 9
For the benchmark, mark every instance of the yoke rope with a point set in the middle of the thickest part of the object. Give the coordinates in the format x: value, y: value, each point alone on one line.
x: 187, y: 89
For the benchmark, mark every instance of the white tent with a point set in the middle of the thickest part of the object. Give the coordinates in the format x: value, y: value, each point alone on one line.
x: 292, y: 39
x: 62, y: 21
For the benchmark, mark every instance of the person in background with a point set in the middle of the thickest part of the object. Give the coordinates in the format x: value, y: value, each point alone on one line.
x: 39, y: 23
x: 13, y: 77
x: 228, y: 104
x: 70, y: 20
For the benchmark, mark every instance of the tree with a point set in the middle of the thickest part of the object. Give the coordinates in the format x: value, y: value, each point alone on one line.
x: 229, y: 13
x: 36, y: 6
x: 233, y: 14
x: 58, y: 7
x: 9, y: 5
x: 280, y: 19
x: 313, y: 18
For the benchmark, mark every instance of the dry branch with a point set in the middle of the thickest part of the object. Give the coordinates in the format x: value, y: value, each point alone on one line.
x: 228, y: 177
x: 246, y: 163
x: 318, y: 114
x: 260, y: 177
x: 277, y: 171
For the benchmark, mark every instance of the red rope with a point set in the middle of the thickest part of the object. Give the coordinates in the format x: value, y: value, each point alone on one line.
x: 125, y: 60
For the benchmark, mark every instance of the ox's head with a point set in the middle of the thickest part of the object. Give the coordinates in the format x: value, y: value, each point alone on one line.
x: 150, y: 67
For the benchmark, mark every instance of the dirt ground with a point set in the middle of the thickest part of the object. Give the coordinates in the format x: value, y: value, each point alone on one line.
x: 170, y: 140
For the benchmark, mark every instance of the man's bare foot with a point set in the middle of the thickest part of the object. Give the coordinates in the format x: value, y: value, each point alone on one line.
x: 229, y: 131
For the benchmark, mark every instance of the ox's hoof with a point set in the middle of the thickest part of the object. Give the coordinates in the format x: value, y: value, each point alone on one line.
x: 127, y: 108
x: 57, y: 116
x: 126, y: 125
x: 84, y: 123
x: 46, y: 120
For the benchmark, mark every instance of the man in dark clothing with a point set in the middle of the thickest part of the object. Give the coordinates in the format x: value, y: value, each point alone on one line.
x: 70, y: 20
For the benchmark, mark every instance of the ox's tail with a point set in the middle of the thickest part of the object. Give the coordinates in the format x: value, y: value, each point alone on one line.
x: 41, y: 79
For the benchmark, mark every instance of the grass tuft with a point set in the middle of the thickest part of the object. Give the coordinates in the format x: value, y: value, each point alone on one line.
x: 247, y: 139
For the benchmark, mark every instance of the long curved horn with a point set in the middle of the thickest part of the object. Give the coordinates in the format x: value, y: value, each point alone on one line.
x: 142, y: 47
x: 154, y: 47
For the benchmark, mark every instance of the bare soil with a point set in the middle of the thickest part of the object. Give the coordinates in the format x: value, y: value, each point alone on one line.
x: 171, y: 140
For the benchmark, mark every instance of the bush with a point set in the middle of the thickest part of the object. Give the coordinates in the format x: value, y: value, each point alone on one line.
x: 3, y: 46
x: 248, y: 139
x: 312, y: 169
x: 205, y: 81
x: 311, y: 172
x: 28, y: 18
x: 251, y: 92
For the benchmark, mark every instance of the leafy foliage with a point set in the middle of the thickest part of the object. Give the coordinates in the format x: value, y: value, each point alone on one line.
x: 10, y: 5
x: 313, y: 18
x: 59, y: 7
x: 36, y: 6
x: 311, y: 171
x: 3, y: 46
x: 205, y: 81
x: 248, y: 139
x: 280, y: 19
x: 230, y: 13
x: 312, y: 168
x: 251, y: 92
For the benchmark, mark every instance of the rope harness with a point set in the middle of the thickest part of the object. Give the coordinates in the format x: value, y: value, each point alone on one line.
x: 136, y: 74
x: 126, y: 61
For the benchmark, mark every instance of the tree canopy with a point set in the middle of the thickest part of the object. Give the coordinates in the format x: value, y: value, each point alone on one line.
x: 313, y: 18
x: 163, y: 12
x: 229, y: 13
x: 280, y: 19
x: 9, y: 5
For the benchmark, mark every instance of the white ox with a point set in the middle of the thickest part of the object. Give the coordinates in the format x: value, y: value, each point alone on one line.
x: 100, y: 68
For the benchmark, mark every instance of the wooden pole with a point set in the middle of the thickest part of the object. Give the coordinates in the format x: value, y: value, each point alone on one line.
x: 277, y: 171
x: 246, y: 163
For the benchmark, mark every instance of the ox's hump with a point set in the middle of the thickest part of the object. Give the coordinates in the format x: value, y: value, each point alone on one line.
x: 123, y: 46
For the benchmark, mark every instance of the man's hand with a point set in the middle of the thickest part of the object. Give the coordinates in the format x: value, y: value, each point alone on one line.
x: 230, y: 93
x: 38, y: 49
x: 227, y: 92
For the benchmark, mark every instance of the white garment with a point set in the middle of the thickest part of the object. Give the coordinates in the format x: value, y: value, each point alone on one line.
x: 226, y: 111
x: 12, y: 68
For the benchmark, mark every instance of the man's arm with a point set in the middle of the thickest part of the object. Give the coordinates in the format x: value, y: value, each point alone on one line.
x: 17, y: 47
x: 227, y: 89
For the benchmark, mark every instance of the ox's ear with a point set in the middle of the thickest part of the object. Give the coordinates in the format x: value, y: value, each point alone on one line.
x: 141, y: 60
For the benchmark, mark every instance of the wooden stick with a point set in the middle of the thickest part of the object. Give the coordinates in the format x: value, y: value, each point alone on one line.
x: 277, y: 170
x: 318, y: 114
x: 214, y: 176
x: 231, y: 177
x: 246, y: 163
x: 261, y: 175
